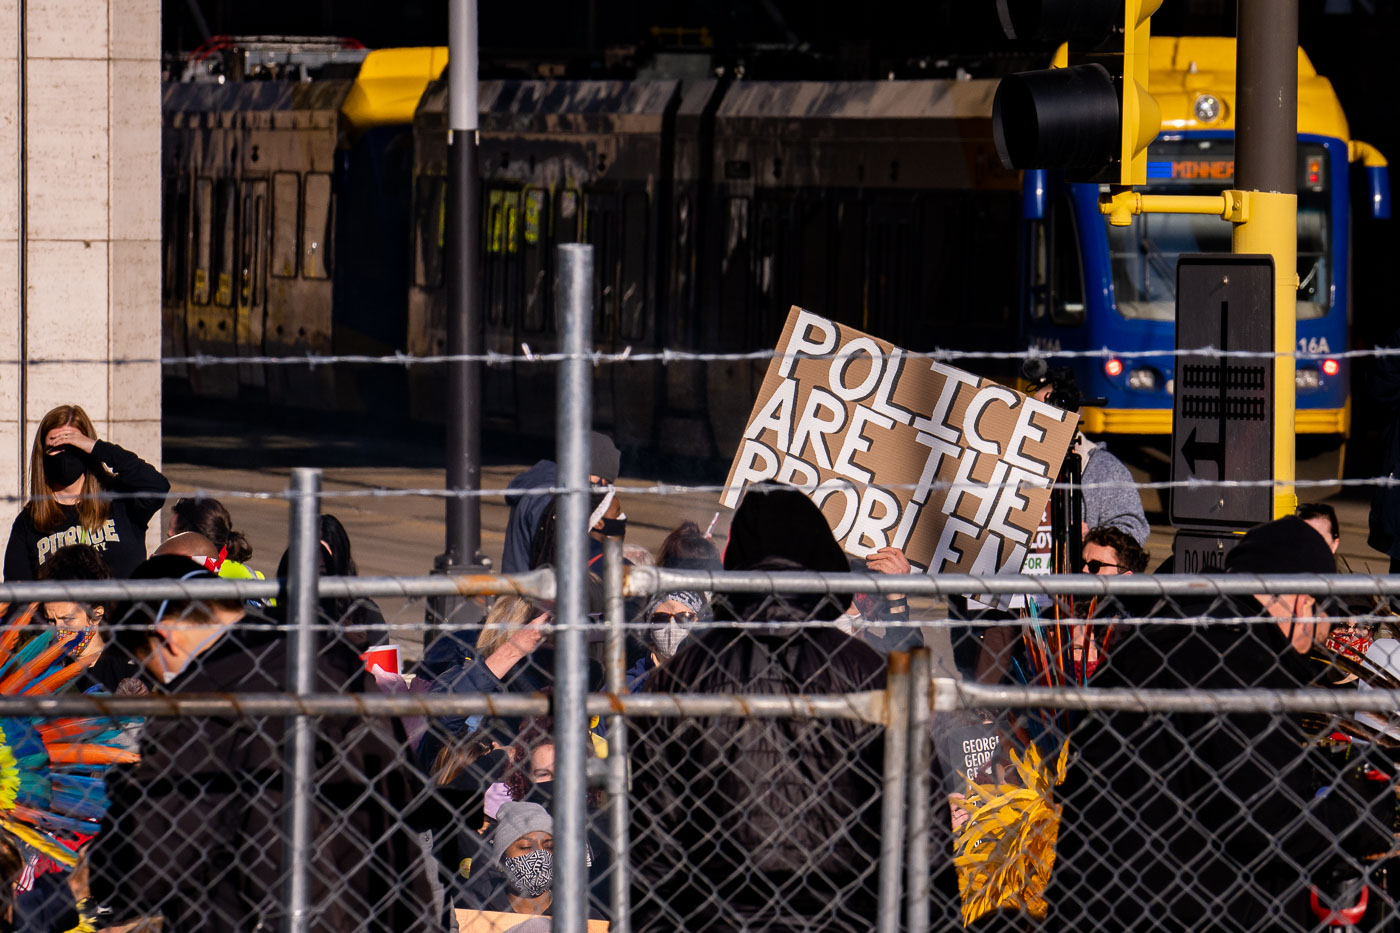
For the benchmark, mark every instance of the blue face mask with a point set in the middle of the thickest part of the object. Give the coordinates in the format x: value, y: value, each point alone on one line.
x: 531, y: 874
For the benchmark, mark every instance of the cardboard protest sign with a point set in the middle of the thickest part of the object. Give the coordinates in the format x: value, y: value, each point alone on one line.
x: 495, y: 921
x: 902, y: 451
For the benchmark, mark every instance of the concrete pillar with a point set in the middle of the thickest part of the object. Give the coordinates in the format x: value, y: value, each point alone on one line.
x: 79, y: 223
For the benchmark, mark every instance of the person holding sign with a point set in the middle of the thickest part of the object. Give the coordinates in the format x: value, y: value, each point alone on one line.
x: 1110, y: 494
x: 800, y: 840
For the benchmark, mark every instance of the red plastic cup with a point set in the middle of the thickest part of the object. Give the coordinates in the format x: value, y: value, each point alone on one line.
x: 385, y: 656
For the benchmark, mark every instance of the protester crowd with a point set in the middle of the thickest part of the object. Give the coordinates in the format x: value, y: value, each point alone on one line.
x: 1209, y: 821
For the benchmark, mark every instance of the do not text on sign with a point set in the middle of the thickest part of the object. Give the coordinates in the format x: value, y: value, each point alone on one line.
x: 953, y: 469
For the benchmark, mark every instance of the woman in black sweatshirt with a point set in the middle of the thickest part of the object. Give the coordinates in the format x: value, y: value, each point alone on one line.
x: 68, y: 471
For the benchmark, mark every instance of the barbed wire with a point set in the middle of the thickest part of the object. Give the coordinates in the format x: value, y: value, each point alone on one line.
x: 667, y: 356
x: 675, y: 489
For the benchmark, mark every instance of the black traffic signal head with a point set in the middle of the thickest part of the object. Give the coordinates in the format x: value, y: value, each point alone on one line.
x: 1094, y: 118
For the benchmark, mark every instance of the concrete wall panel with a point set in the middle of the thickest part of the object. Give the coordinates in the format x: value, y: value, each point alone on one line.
x: 135, y: 150
x: 67, y: 29
x: 67, y: 299
x: 134, y: 30
x: 90, y: 129
x: 67, y: 133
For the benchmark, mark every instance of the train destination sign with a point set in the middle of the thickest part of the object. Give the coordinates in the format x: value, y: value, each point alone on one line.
x: 901, y: 450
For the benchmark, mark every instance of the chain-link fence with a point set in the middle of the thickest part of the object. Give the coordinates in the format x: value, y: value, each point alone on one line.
x: 773, y: 749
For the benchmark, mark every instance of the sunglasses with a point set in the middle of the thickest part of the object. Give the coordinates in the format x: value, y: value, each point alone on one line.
x: 1094, y: 566
x: 684, y: 617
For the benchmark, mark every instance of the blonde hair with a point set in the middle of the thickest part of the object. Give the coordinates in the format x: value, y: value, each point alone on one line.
x: 506, y: 617
x: 44, y: 511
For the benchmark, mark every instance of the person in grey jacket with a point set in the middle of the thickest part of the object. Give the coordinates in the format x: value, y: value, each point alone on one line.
x: 1110, y: 496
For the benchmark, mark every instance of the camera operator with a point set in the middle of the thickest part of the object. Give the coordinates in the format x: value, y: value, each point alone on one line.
x: 1110, y: 496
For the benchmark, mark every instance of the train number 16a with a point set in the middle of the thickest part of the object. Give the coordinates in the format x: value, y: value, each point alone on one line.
x: 1313, y: 345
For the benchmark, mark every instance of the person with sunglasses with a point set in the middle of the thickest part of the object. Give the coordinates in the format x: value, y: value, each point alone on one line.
x: 669, y: 618
x: 1107, y: 552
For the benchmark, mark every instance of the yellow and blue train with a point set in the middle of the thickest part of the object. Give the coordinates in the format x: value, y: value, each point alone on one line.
x: 305, y: 213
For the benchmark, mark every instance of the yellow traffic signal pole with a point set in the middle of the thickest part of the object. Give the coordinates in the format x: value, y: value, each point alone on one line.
x: 1264, y: 208
x: 1266, y: 166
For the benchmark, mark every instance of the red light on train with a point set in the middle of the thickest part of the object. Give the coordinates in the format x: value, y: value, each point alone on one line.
x: 1331, y: 367
x: 1113, y: 367
x: 1314, y: 170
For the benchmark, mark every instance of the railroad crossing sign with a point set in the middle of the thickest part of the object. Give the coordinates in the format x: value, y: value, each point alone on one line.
x: 1222, y: 407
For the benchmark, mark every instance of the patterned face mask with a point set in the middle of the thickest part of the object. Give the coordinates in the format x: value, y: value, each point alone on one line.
x: 531, y: 874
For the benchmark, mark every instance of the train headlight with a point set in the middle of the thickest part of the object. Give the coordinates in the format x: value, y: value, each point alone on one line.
x: 1307, y: 377
x: 1207, y: 108
x: 1331, y: 367
x: 1113, y: 367
x: 1145, y: 379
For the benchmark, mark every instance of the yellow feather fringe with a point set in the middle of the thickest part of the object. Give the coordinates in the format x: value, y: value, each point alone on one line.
x: 40, y: 842
x: 1005, y: 850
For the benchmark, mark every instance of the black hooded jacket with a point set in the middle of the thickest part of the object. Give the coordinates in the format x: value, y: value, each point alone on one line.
x: 195, y: 831
x: 1199, y: 820
x: 760, y: 824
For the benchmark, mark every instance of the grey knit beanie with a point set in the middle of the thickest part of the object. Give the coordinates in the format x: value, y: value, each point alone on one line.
x: 514, y: 820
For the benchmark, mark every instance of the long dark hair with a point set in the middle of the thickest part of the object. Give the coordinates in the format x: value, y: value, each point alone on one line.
x: 210, y: 518
x: 44, y: 511
x: 687, y: 547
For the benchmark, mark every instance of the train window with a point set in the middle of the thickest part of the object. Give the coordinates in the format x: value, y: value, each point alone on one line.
x: 251, y: 239
x: 1066, y: 285
x: 536, y: 260
x: 600, y: 230
x: 1314, y: 279
x: 316, y: 219
x: 431, y: 214
x: 633, y: 324
x: 495, y: 248
x: 734, y: 277
x: 286, y: 198
x: 225, y: 245
x: 848, y: 298
x: 686, y: 285
x: 203, y: 240
x: 566, y: 217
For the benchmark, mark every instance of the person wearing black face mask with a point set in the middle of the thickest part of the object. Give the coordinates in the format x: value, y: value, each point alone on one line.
x: 69, y: 469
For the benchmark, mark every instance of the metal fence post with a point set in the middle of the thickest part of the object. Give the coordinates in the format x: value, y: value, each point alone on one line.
x: 305, y: 542
x: 570, y: 907
x: 916, y: 893
x: 892, y: 791
x: 617, y: 736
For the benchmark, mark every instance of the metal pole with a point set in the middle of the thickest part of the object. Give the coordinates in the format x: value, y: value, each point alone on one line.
x: 1266, y: 165
x: 617, y: 737
x: 916, y: 894
x: 570, y: 908
x: 892, y: 792
x: 464, y: 333
x: 305, y: 542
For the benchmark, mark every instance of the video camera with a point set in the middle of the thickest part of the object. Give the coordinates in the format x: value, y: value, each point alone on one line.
x: 1064, y: 389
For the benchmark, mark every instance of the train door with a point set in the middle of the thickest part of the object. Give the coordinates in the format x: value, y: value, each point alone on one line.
x: 601, y: 229
x: 253, y: 237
